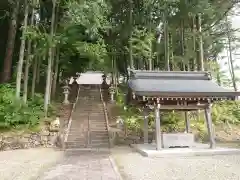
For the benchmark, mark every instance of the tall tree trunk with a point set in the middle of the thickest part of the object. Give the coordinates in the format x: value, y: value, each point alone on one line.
x: 36, y: 59
x: 21, y: 54
x: 52, y: 75
x: 54, y: 84
x: 39, y: 69
x: 27, y: 63
x: 26, y: 73
x: 56, y: 59
x: 159, y: 37
x: 131, y: 31
x: 49, y: 68
x: 171, y: 52
x: 6, y: 76
x: 194, y: 63
x: 166, y: 46
x: 150, y: 57
x: 200, y: 43
x: 182, y: 45
x: 166, y: 40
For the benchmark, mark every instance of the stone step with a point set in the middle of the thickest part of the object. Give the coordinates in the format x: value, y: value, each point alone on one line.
x: 99, y: 119
x: 88, y: 151
x: 77, y: 129
x: 98, y: 122
x: 94, y: 128
x: 79, y: 108
x: 85, y: 104
x: 103, y: 134
x: 99, y: 145
x: 78, y: 139
x: 92, y: 131
x: 72, y: 140
x: 104, y: 141
x: 70, y: 145
x: 99, y: 129
x: 74, y: 144
x: 98, y: 138
x: 82, y: 141
x: 77, y: 133
x: 88, y: 123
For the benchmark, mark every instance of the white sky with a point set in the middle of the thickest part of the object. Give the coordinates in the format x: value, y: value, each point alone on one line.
x: 236, y: 24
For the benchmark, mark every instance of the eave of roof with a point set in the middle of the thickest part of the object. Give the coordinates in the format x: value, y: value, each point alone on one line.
x: 177, y: 84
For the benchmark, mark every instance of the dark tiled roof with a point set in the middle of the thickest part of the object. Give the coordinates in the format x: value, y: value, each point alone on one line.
x: 176, y: 84
x: 190, y: 75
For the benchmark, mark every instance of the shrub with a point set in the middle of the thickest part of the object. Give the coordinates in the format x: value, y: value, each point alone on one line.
x: 14, y: 113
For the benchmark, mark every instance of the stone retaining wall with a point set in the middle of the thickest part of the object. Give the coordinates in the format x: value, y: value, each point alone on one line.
x: 29, y: 140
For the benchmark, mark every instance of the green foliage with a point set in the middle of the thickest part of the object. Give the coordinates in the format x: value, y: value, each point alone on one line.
x: 226, y: 112
x: 142, y: 43
x: 14, y: 114
x: 90, y: 14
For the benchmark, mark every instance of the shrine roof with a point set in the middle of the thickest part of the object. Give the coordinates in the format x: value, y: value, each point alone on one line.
x: 90, y: 77
x: 177, y: 84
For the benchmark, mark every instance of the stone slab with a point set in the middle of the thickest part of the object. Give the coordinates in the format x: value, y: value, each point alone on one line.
x: 88, y: 166
x: 177, y: 140
x: 149, y: 150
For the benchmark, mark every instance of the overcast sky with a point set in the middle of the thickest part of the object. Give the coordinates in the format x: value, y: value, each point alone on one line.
x: 236, y: 24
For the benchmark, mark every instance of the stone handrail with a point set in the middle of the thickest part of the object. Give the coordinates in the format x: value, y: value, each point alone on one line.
x: 105, y: 114
x: 70, y: 118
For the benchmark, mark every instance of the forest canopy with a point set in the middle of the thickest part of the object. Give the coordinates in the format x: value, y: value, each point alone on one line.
x: 45, y: 41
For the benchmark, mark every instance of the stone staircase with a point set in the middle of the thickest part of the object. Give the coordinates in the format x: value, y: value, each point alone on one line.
x: 88, y: 128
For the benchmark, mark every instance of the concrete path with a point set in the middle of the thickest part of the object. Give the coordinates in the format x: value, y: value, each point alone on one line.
x: 83, y: 166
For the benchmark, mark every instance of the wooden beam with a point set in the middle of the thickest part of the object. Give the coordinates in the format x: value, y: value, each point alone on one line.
x: 183, y: 107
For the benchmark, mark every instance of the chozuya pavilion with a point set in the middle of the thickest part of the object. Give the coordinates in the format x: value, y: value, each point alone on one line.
x: 170, y: 90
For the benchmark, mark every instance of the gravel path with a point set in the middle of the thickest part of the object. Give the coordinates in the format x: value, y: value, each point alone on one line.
x: 26, y: 164
x: 136, y: 167
x: 86, y: 166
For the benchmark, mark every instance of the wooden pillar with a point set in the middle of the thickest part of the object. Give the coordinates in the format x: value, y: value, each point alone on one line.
x: 187, y: 123
x: 145, y: 131
x: 208, y: 118
x: 158, y: 128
